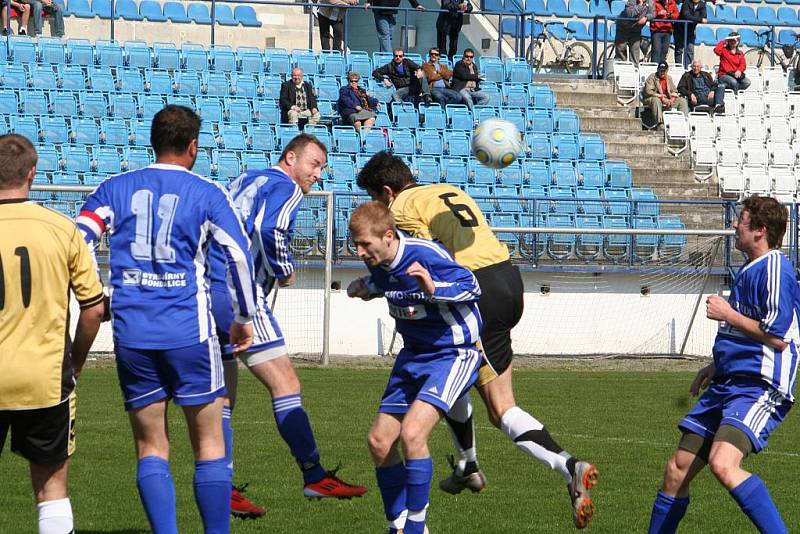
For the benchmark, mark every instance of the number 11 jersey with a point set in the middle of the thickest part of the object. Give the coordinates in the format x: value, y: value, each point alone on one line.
x: 449, y: 215
x: 160, y: 220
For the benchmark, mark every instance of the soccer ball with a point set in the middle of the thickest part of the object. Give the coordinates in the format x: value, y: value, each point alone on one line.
x: 496, y: 143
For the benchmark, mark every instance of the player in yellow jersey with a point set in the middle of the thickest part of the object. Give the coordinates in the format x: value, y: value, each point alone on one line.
x: 447, y: 214
x: 42, y: 257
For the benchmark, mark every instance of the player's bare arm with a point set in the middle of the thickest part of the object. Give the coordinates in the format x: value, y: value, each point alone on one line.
x: 88, y: 325
x: 241, y: 336
x: 360, y: 289
x: 719, y: 309
x: 702, y: 379
x: 288, y: 280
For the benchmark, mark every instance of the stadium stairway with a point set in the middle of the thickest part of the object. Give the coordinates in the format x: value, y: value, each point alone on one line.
x: 670, y: 177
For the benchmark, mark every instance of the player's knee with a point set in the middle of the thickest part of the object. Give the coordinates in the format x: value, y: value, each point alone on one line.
x: 413, y: 438
x: 675, y: 473
x: 379, y: 445
x: 721, y: 467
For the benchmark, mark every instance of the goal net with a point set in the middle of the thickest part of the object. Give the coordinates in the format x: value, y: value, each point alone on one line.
x: 641, y: 296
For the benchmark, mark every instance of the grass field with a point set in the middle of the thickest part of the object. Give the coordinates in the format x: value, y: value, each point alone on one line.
x: 621, y: 419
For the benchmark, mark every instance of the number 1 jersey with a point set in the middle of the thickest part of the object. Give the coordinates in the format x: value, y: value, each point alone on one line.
x: 447, y: 214
x: 160, y: 220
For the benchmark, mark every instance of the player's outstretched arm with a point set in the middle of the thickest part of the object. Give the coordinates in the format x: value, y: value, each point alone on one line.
x: 719, y: 309
x: 702, y: 379
x: 241, y: 336
x: 88, y: 325
x: 363, y: 288
x: 443, y: 280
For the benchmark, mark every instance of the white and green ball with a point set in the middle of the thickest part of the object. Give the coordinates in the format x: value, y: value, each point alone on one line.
x: 496, y: 143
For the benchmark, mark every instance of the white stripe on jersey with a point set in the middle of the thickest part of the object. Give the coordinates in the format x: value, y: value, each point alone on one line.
x: 455, y: 328
x: 241, y: 272
x: 767, y: 361
x: 203, y: 302
x: 773, y: 288
x: 758, y: 415
x: 459, y: 375
x: 470, y: 319
x: 282, y: 226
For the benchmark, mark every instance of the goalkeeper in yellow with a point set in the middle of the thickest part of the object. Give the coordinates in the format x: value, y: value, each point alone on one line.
x: 447, y: 214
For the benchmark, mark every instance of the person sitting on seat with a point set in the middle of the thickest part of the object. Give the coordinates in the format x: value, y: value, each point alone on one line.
x: 438, y: 77
x: 355, y: 105
x: 298, y: 99
x: 405, y: 76
x: 24, y: 15
x: 660, y: 94
x: 700, y: 90
x: 467, y: 80
x: 732, y: 64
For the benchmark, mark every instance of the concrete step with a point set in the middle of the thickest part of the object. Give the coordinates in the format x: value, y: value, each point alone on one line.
x: 634, y: 148
x: 606, y: 113
x: 616, y: 136
x: 663, y: 163
x: 576, y: 98
x: 616, y: 124
x: 559, y: 83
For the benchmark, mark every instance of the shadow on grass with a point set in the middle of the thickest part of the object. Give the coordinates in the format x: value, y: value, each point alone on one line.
x: 115, y: 531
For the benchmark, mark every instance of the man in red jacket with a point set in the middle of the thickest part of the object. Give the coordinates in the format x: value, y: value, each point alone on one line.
x: 731, y: 64
x: 661, y: 29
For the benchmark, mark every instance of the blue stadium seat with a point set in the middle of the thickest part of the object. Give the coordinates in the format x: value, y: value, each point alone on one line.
x: 433, y: 116
x: 80, y: 9
x: 589, y: 201
x: 518, y: 71
x: 278, y: 61
x: 250, y: 59
x: 515, y: 96
x: 306, y: 60
x: 543, y: 97
x: 166, y: 56
x: 327, y: 88
x: 493, y: 92
x: 246, y: 16
x: 540, y: 120
x: 745, y: 15
x: 766, y: 15
x: 540, y: 146
x: 136, y: 157
x: 233, y: 137
x: 560, y: 246
x: 598, y: 8
x: 107, y: 159
x: 159, y: 82
x: 360, y: 63
x: 492, y: 69
x: 617, y: 200
x: 14, y: 76
x: 194, y: 57
x: 787, y: 37
x: 23, y: 50
x: 272, y: 86
x: 645, y: 246
x: 9, y: 105
x: 618, y: 174
x: 564, y: 174
x: 592, y: 147
x: 34, y: 102
x: 537, y: 173
x: 482, y: 175
x: 261, y: 137
x: 64, y: 206
x: 140, y: 132
x: 332, y: 63
x: 671, y: 245
x: 75, y: 158
x: 151, y: 10
x: 244, y: 85
x: 580, y: 9
x: 748, y: 37
x: 427, y: 169
x: 565, y: 147
x: 267, y: 111
x: 137, y: 53
x: 127, y: 10
x: 579, y: 29
x: 175, y: 12
x: 346, y: 140
x: 563, y: 200
x: 222, y: 58
x: 588, y: 246
x: 374, y: 141
x: 49, y: 160
x: 459, y: 117
x: 199, y: 13
x: 207, y: 137
x: 202, y: 165
x: 93, y: 105
x: 102, y: 9
x: 25, y: 126
x: 130, y: 80
x: 455, y: 170
x: 457, y: 142
x: 80, y: 52
x: 114, y: 131
x: 403, y: 141
x: 516, y: 116
x: 405, y: 115
x: 285, y: 133
x: 238, y: 110
x: 567, y: 121
x: 646, y: 202
x: 181, y: 100
x: 430, y: 141
x: 705, y: 35
x: 101, y: 79
x: 511, y: 175
x: 321, y: 132
x: 150, y: 105
x: 591, y: 174
x: 224, y: 15
x: 84, y: 131
x: 559, y: 9
x: 789, y: 16
x: 52, y: 53
x: 63, y: 103
x: 123, y: 105
x: 187, y: 83
x: 216, y: 84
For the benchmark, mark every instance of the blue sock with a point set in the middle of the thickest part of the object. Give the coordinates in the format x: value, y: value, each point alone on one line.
x: 212, y: 492
x: 392, y: 483
x: 754, y: 500
x: 157, y: 493
x: 227, y: 435
x: 667, y: 513
x: 419, y: 473
x: 295, y: 429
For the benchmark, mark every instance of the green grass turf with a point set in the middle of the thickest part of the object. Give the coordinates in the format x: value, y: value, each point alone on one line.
x: 624, y: 421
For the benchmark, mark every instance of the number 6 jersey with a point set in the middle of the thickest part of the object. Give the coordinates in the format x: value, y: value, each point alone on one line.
x: 447, y: 214
x: 160, y: 219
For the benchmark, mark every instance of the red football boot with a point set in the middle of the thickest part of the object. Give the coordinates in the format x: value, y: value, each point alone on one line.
x: 332, y: 486
x: 241, y: 506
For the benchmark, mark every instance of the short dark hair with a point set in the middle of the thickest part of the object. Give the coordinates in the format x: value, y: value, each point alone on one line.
x: 17, y: 157
x: 173, y: 130
x: 300, y: 142
x: 385, y: 169
x: 468, y: 51
x: 769, y: 214
x: 434, y: 49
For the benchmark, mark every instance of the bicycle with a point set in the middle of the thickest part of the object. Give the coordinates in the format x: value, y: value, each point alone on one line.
x: 570, y: 54
x: 610, y: 54
x: 786, y: 55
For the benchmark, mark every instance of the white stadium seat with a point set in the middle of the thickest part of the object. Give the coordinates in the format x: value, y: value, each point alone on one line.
x: 775, y: 80
x: 751, y: 104
x: 728, y: 127
x: 755, y: 153
x: 701, y: 126
x: 729, y: 152
x: 777, y: 105
x: 778, y: 129
x: 758, y: 181
x: 784, y: 183
x: 730, y: 178
x: 704, y: 158
x: 676, y: 131
x: 753, y: 128
x: 781, y: 153
x: 626, y: 81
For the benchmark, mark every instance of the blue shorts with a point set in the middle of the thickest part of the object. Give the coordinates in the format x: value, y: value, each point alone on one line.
x: 268, y: 341
x: 189, y: 375
x: 438, y: 378
x: 748, y: 404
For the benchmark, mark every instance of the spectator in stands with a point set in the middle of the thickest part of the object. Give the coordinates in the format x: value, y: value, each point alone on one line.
x: 55, y: 12
x: 298, y: 99
x: 699, y: 89
x: 661, y: 31
x: 467, y: 80
x: 355, y: 105
x: 406, y: 77
x: 693, y: 11
x: 25, y: 13
x: 660, y: 94
x: 438, y: 77
x: 629, y: 31
x: 449, y: 24
x: 386, y: 19
x: 331, y: 19
x: 732, y: 64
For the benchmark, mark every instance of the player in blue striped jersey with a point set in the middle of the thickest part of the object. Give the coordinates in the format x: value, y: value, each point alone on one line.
x: 750, y: 381
x: 160, y: 220
x: 434, y: 302
x: 267, y: 202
